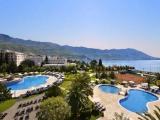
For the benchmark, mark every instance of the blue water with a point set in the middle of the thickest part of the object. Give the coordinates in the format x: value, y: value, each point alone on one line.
x: 137, y: 100
x: 27, y: 82
x: 109, y: 89
x: 144, y: 65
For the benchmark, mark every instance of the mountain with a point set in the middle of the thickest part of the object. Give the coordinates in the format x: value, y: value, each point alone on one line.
x: 47, y: 48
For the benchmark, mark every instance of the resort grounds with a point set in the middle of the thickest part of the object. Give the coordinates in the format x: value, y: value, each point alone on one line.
x: 26, y: 103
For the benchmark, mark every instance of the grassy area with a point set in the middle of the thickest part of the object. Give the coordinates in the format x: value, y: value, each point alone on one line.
x: 93, y: 78
x: 94, y: 117
x: 7, y: 104
x: 67, y: 81
x: 66, y: 85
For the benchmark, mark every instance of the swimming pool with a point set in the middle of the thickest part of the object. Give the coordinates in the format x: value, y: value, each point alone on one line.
x: 109, y: 89
x: 27, y: 82
x: 137, y: 100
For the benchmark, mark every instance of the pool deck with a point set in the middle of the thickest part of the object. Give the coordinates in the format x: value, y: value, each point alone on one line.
x: 49, y: 81
x: 111, y: 102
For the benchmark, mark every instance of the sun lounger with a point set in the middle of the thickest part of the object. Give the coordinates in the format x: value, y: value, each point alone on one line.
x: 35, y: 102
x: 3, y: 116
x: 20, y: 105
x: 126, y: 85
x: 21, y: 118
x: 37, y: 107
x: 15, y: 118
x: 27, y: 117
x: 102, y: 109
x: 16, y: 114
x: 122, y: 93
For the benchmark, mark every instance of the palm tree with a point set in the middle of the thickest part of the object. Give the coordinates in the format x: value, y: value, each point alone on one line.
x: 77, y: 99
x: 78, y: 96
x: 149, y: 80
x: 4, y: 93
x: 158, y: 83
x: 120, y: 117
x: 149, y: 116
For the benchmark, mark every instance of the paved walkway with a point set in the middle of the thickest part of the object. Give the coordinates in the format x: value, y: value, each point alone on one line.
x: 32, y: 116
x: 110, y: 101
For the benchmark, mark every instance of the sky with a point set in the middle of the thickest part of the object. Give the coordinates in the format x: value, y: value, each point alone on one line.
x: 103, y: 24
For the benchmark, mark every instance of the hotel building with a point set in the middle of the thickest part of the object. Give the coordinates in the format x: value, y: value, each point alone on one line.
x: 17, y: 57
x: 12, y: 56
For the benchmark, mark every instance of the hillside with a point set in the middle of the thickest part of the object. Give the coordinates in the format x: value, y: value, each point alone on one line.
x: 47, y: 48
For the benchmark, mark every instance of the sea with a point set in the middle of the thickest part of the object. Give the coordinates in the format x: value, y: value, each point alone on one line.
x: 143, y: 65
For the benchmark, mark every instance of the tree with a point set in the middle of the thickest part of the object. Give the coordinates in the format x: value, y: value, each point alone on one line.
x: 99, y: 69
x: 112, y: 75
x: 1, y: 58
x: 149, y: 80
x: 54, y: 108
x: 28, y: 63
x: 12, y: 67
x: 93, y: 64
x: 54, y: 91
x: 148, y: 116
x: 78, y: 99
x: 46, y: 61
x: 70, y: 69
x: 100, y: 62
x: 4, y: 93
x: 120, y: 117
x: 103, y: 76
x: 6, y: 58
x: 158, y: 76
x: 3, y: 68
x: 158, y: 83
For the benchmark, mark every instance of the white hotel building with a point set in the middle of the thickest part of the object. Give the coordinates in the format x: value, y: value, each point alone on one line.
x: 18, y: 57
x: 12, y: 56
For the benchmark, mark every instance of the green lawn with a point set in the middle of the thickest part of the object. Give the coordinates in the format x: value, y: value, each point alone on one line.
x: 66, y: 85
x: 6, y: 104
x: 94, y: 117
x: 67, y: 81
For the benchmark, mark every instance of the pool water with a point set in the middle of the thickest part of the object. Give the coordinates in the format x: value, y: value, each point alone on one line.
x: 28, y: 82
x: 109, y: 89
x: 137, y: 100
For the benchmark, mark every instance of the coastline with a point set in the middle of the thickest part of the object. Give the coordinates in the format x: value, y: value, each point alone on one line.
x: 140, y: 65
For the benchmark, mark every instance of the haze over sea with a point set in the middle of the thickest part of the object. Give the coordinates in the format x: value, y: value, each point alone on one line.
x: 144, y: 65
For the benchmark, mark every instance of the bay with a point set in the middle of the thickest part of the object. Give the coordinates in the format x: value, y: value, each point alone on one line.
x: 143, y: 65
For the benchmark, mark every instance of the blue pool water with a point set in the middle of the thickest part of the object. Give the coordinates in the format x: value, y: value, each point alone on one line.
x: 27, y: 82
x: 137, y: 100
x: 109, y: 89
